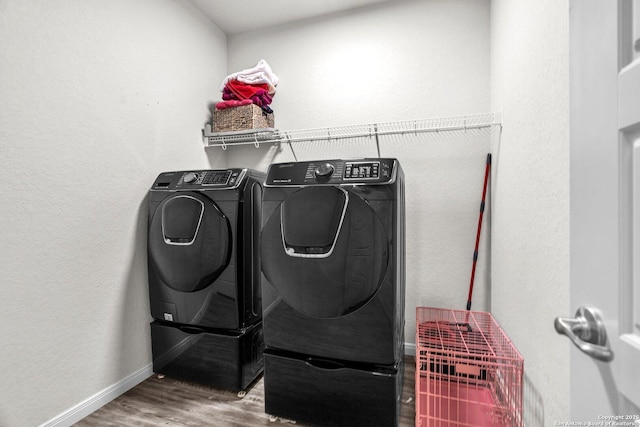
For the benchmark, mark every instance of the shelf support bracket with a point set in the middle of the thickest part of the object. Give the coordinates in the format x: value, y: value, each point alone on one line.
x: 375, y: 133
x: 291, y: 147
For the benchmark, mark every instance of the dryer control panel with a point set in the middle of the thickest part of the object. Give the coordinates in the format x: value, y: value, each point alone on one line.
x: 200, y: 179
x: 332, y: 172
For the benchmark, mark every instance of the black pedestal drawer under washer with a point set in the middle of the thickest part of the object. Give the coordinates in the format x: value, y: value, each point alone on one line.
x: 332, y: 249
x: 204, y: 275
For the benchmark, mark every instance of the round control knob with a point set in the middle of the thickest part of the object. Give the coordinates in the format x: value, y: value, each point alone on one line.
x: 324, y: 171
x: 189, y: 177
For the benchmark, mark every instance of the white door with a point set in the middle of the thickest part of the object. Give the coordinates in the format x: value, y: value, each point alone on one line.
x: 605, y: 208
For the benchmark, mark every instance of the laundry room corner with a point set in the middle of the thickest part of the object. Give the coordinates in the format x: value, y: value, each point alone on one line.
x: 281, y: 280
x: 383, y: 63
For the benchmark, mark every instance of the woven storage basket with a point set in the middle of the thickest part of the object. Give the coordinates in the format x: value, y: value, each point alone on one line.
x: 245, y: 117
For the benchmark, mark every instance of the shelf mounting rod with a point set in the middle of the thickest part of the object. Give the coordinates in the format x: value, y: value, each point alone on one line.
x: 375, y: 133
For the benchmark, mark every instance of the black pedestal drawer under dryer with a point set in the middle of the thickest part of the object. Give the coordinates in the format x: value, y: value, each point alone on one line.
x: 332, y: 250
x: 204, y: 276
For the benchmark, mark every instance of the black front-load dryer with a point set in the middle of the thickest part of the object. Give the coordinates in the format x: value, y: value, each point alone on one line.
x: 332, y: 249
x: 204, y: 274
x: 203, y: 248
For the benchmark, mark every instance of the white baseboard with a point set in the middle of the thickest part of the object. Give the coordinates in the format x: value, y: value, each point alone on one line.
x: 91, y: 404
x: 409, y: 349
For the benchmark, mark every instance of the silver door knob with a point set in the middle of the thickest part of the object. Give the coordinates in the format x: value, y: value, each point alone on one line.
x: 587, y: 332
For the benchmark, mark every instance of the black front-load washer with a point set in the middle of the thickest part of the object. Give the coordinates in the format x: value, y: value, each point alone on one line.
x: 204, y: 275
x: 332, y: 249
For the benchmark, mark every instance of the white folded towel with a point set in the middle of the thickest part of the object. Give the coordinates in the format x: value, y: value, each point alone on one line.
x: 259, y: 74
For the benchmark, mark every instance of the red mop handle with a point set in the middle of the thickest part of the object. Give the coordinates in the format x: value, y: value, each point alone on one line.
x: 475, y: 252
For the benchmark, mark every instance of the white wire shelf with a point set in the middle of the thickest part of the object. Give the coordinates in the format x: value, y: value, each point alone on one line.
x: 372, y: 130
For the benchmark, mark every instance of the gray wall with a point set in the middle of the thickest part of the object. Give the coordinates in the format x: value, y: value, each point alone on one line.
x: 97, y: 97
x: 530, y: 239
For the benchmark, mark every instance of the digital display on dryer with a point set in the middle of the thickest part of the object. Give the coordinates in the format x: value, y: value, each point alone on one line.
x: 362, y: 170
x: 216, y: 178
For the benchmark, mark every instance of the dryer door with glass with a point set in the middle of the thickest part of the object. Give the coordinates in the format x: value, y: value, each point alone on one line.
x: 189, y: 246
x: 325, y: 253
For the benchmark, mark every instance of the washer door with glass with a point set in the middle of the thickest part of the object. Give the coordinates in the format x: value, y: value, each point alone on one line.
x: 325, y: 252
x: 189, y: 242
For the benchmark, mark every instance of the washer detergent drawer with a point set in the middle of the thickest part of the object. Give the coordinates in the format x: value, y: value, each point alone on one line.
x: 230, y: 362
x: 325, y: 392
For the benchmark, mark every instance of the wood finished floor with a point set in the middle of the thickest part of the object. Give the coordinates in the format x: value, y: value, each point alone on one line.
x: 169, y: 402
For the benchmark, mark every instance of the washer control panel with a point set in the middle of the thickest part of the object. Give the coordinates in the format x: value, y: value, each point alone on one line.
x: 331, y: 172
x: 199, y: 179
